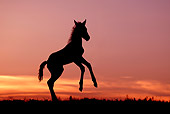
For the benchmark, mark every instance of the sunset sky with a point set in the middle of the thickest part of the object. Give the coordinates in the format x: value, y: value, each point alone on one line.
x: 129, y: 47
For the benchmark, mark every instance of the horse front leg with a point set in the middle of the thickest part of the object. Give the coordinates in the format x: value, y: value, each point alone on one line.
x: 91, y: 71
x: 82, y: 68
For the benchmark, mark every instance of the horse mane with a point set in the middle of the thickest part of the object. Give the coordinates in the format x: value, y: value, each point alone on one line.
x: 73, y: 33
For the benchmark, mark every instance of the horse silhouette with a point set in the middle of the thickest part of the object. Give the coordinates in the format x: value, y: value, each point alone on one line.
x: 72, y: 52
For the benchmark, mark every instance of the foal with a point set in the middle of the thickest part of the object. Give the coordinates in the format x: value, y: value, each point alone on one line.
x: 72, y: 52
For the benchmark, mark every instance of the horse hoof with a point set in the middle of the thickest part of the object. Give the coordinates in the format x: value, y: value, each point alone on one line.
x: 81, y: 86
x: 80, y: 89
x: 54, y: 99
x: 95, y: 84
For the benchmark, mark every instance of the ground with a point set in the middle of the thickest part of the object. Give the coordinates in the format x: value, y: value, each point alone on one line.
x: 85, y: 105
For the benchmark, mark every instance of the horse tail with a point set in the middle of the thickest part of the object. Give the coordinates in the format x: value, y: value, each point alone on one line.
x: 40, y: 76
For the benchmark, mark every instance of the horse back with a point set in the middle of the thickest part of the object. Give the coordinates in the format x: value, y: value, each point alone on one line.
x: 65, y: 56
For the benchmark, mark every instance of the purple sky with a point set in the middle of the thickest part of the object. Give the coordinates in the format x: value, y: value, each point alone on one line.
x: 130, y: 39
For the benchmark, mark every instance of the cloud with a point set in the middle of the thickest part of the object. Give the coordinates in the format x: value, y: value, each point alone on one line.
x: 29, y: 86
x: 121, y: 87
x: 154, y: 87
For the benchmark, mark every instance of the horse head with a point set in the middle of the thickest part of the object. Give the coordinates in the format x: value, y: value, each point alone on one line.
x: 81, y: 28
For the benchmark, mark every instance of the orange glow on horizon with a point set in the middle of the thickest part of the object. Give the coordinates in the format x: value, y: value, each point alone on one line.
x: 29, y: 87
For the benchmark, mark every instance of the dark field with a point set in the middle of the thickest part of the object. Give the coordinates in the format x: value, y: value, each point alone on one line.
x: 86, y: 101
x: 85, y: 105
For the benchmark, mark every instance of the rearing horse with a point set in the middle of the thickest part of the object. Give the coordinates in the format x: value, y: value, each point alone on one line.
x: 72, y: 52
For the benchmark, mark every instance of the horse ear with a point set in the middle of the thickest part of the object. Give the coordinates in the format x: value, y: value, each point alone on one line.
x: 84, y: 22
x: 75, y: 22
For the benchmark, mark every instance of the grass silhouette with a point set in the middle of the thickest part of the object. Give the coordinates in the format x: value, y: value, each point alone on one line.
x: 85, y: 105
x: 86, y: 101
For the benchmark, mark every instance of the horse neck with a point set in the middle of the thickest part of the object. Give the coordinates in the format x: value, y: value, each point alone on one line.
x: 77, y: 42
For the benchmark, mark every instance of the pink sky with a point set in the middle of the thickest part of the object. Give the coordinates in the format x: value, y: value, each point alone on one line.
x: 129, y: 46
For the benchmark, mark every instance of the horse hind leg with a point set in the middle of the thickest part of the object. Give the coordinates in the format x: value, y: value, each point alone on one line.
x: 50, y: 83
x: 55, y: 74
